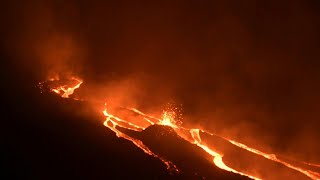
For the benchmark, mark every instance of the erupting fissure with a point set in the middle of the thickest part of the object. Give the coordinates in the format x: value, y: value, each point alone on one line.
x: 112, y: 126
x: 169, y: 119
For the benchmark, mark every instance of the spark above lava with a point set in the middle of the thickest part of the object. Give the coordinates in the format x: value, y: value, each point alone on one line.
x: 191, y: 135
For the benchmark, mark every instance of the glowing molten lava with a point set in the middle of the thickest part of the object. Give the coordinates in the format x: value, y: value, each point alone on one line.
x: 217, y: 157
x: 64, y: 90
x: 111, y: 123
x: 169, y: 118
x: 311, y: 174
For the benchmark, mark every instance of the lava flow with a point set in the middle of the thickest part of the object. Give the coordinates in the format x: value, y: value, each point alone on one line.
x: 191, y: 135
x: 111, y: 123
x: 64, y: 90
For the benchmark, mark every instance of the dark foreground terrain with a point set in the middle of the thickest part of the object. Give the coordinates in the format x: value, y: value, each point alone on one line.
x: 48, y: 137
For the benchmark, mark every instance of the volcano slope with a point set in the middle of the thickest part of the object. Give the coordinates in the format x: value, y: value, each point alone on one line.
x: 164, y: 141
x: 47, y: 137
x: 190, y: 159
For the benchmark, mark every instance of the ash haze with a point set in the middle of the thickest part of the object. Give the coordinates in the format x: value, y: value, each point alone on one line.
x: 245, y: 70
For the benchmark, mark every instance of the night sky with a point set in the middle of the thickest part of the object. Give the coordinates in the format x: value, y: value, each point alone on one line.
x: 246, y: 70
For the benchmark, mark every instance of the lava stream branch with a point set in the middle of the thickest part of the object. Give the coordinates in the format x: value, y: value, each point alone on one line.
x: 217, y: 158
x: 311, y: 164
x: 311, y: 174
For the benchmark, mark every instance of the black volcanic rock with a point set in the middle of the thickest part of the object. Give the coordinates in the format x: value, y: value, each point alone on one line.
x: 48, y: 137
x: 191, y: 160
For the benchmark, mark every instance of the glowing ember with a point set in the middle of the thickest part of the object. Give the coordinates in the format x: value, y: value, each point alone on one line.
x: 170, y: 117
x: 168, y: 120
